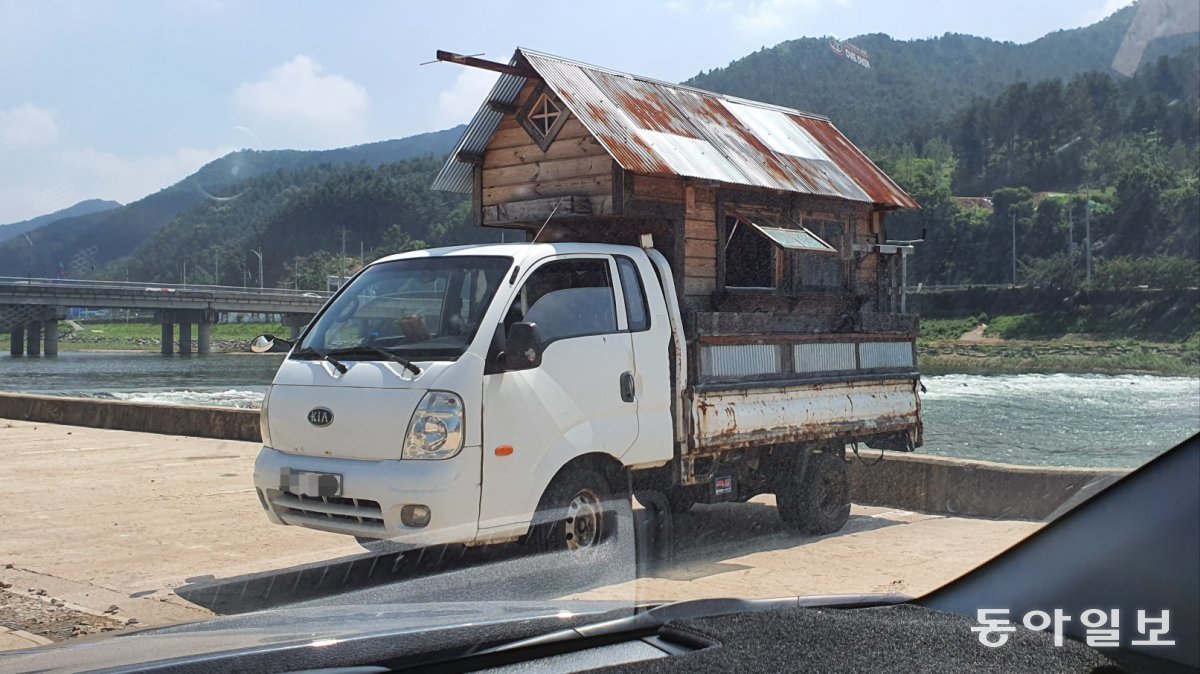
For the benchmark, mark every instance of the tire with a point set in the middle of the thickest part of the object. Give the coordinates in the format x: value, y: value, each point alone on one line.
x: 818, y: 502
x: 575, y: 514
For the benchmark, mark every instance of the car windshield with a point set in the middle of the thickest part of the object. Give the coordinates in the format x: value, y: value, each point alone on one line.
x: 423, y: 308
x: 479, y: 311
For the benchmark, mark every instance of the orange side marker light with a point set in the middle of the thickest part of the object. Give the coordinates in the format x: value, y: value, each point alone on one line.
x: 504, y: 450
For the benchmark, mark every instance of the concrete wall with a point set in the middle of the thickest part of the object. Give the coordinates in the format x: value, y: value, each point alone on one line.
x: 907, y: 481
x: 972, y: 488
x: 203, y: 422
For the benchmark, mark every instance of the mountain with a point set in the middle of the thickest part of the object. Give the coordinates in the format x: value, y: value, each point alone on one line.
x: 914, y: 83
x: 295, y: 217
x: 82, y: 208
x: 82, y: 244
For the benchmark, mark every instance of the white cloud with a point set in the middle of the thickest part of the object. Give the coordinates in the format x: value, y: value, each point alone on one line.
x: 27, y: 125
x: 309, y: 107
x: 677, y: 6
x: 459, y: 103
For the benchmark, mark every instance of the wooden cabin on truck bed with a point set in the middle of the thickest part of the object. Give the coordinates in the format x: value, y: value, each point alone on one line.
x: 773, y: 222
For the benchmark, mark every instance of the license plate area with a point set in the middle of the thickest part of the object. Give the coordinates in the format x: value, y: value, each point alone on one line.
x: 309, y: 483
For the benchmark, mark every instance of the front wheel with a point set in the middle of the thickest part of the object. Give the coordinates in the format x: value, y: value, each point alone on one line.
x: 818, y: 502
x: 576, y: 513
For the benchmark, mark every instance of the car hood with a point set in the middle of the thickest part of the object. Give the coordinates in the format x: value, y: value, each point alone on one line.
x: 299, y: 628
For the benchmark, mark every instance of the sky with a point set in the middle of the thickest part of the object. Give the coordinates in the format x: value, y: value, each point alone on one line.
x: 116, y: 100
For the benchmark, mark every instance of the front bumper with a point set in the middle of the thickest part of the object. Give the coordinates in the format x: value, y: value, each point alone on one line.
x: 373, y: 494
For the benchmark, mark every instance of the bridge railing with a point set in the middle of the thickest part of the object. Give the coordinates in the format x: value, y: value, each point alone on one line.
x: 151, y: 286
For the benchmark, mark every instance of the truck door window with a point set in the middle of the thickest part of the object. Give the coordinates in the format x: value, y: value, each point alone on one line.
x: 567, y: 298
x: 635, y: 295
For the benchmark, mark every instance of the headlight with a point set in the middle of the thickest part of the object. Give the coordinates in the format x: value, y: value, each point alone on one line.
x: 436, y: 429
x: 264, y: 428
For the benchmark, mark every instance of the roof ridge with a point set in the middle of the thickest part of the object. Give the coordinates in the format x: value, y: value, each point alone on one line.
x: 675, y: 85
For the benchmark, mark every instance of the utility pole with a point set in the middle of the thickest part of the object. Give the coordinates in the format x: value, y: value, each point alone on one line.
x: 216, y: 269
x: 260, y: 266
x: 1014, y: 248
x: 1087, y: 228
x: 1070, y: 229
x: 343, y: 265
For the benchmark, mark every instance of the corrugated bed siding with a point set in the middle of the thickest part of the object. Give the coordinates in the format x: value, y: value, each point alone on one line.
x: 740, y: 360
x: 823, y: 357
x: 885, y: 354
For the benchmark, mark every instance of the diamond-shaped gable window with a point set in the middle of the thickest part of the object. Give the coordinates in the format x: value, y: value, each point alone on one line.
x: 542, y: 117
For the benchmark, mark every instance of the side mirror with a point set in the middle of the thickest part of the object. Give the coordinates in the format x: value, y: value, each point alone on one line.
x: 523, y: 350
x: 269, y: 343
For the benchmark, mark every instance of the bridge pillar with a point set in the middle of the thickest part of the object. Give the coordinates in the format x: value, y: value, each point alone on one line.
x: 203, y: 337
x: 295, y: 323
x: 168, y: 335
x: 51, y: 337
x: 33, y: 346
x: 16, y: 341
x: 185, y: 337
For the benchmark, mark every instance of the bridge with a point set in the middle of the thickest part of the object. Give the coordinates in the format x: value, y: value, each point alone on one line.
x: 30, y: 308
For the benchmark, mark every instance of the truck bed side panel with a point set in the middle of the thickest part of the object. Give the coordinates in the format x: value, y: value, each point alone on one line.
x: 727, y: 418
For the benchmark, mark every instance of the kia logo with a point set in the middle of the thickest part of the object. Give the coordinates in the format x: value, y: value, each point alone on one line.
x: 320, y: 416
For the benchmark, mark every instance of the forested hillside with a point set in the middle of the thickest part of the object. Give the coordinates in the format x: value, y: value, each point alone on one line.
x: 86, y: 207
x: 1132, y: 144
x: 915, y: 83
x: 297, y: 218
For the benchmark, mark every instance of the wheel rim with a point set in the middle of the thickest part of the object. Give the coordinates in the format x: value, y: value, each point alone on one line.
x: 584, y: 521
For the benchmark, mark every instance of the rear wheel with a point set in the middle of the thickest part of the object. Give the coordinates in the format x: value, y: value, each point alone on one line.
x: 818, y: 501
x: 576, y: 512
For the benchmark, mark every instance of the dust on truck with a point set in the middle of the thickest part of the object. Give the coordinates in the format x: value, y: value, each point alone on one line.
x: 708, y: 309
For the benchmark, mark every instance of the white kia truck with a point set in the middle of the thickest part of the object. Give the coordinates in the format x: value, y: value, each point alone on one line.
x: 484, y: 394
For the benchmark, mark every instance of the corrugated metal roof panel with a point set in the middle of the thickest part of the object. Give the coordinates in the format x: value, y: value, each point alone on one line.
x: 659, y: 128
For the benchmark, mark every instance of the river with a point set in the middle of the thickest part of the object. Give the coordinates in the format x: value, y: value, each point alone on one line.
x: 1116, y: 421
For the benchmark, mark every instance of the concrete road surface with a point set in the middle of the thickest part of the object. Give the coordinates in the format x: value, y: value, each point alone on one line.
x: 110, y: 528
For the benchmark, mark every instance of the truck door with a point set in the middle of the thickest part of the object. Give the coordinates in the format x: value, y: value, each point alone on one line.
x: 575, y: 402
x: 650, y: 328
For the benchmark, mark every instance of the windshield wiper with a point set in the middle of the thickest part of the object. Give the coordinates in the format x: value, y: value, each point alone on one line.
x: 369, y: 350
x: 307, y: 353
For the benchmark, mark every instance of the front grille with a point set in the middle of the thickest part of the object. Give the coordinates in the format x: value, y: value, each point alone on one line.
x: 339, y: 509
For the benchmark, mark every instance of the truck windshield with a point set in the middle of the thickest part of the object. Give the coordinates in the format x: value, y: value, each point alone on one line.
x: 424, y: 308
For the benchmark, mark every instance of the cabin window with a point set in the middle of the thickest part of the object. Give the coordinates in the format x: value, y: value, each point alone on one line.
x: 818, y: 269
x: 749, y: 256
x: 767, y: 253
x: 542, y: 117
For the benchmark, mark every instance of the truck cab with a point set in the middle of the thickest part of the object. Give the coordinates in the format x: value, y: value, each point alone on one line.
x: 402, y: 413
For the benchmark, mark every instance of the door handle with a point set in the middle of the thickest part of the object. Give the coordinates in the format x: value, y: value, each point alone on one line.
x: 627, y: 388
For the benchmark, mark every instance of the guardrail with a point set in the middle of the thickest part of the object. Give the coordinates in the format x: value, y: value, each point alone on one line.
x: 142, y: 286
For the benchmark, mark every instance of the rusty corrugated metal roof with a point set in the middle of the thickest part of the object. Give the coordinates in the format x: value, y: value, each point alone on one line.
x: 659, y: 128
